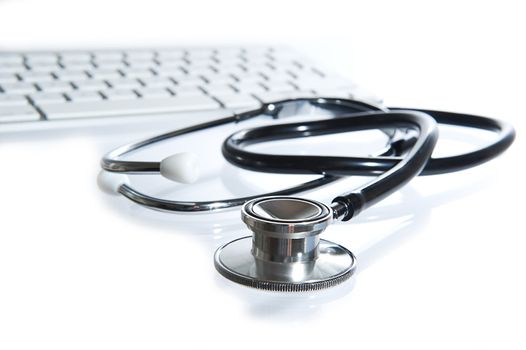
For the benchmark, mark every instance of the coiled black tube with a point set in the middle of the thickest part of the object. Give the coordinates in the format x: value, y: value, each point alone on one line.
x: 353, y: 202
x: 393, y: 172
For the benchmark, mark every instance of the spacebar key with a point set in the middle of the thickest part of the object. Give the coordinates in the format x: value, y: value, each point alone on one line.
x: 106, y: 108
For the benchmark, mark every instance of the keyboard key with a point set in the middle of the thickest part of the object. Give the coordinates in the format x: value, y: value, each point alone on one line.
x: 279, y: 86
x: 249, y: 87
x: 11, y: 58
x: 69, y: 75
x: 137, y: 73
x: 187, y: 91
x: 217, y: 79
x: 12, y: 68
x: 250, y: 62
x: 204, y: 73
x: 18, y: 88
x: 237, y: 72
x: 154, y: 92
x: 110, y: 64
x: 105, y: 74
x: 200, y: 65
x: 294, y: 68
x: 188, y: 80
x: 173, y: 72
x: 124, y: 83
x: 138, y: 64
x: 18, y: 114
x: 84, y: 96
x: 279, y: 79
x: 273, y: 71
x: 90, y: 85
x: 76, y: 84
x: 128, y: 107
x: 231, y: 64
x: 8, y: 78
x: 35, y: 58
x: 78, y: 66
x: 119, y: 94
x: 44, y: 68
x: 251, y: 78
x: 270, y: 73
x: 174, y: 62
x: 219, y: 89
x: 157, y: 82
x: 42, y: 98
x: 42, y: 65
x: 34, y: 77
x: 12, y: 100
x: 55, y: 86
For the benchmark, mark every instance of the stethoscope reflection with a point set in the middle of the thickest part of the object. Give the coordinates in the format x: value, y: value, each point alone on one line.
x: 414, y: 213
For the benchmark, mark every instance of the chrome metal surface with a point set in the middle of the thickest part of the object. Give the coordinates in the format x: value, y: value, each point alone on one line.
x: 285, y: 252
x: 334, y: 264
x: 286, y: 217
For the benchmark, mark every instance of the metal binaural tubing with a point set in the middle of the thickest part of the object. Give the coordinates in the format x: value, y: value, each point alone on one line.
x: 330, y: 168
x: 111, y: 161
x: 279, y: 109
x: 215, y: 205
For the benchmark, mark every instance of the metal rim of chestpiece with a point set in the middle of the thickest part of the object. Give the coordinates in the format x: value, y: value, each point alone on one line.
x: 285, y: 252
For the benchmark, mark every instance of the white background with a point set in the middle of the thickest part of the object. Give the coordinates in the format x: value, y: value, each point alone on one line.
x: 442, y: 263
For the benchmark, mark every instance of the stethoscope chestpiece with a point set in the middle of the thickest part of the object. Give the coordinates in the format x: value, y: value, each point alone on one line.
x: 285, y: 252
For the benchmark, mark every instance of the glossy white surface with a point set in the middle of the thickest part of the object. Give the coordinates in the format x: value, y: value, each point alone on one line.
x: 441, y: 264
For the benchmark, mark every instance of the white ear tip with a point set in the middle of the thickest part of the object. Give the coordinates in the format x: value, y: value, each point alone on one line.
x: 110, y: 182
x: 180, y: 167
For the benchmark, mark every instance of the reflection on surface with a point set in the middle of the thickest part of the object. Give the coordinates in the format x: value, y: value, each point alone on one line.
x: 215, y: 229
x: 400, y: 222
x: 285, y: 306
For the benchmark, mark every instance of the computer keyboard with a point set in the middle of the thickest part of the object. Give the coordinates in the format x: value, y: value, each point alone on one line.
x: 40, y: 88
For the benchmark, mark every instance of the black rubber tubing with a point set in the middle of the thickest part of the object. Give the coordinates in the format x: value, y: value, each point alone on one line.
x: 233, y: 150
x: 389, y: 181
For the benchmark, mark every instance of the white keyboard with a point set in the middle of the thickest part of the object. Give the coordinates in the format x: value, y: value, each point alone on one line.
x: 43, y: 87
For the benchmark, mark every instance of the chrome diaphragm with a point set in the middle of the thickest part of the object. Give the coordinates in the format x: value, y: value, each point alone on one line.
x: 285, y: 252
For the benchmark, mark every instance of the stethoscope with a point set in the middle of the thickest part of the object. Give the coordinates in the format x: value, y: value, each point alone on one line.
x: 285, y: 252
